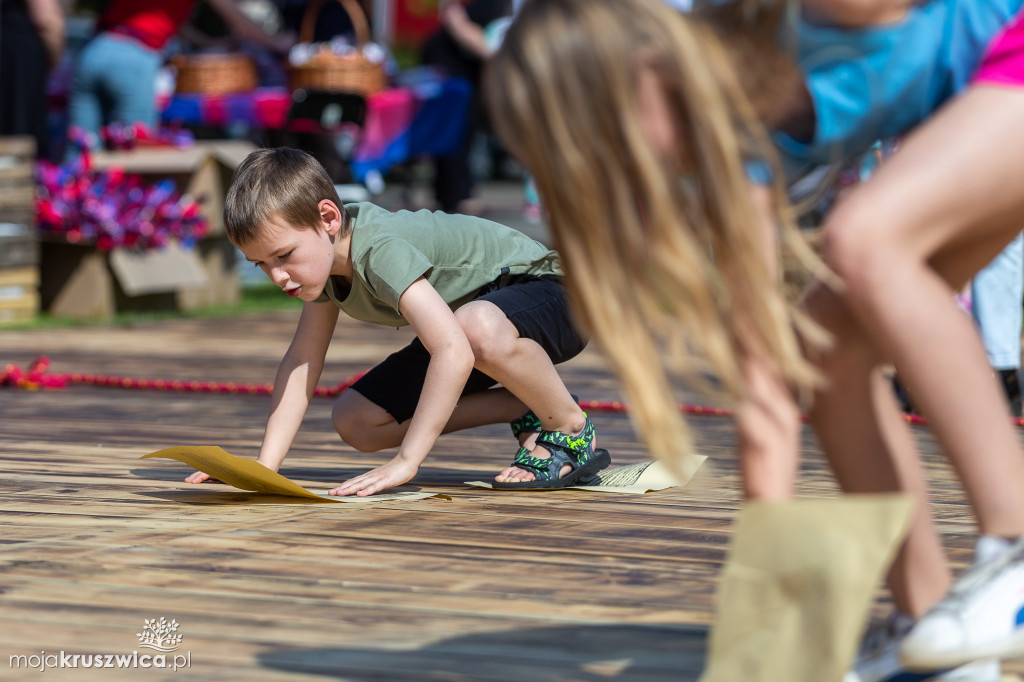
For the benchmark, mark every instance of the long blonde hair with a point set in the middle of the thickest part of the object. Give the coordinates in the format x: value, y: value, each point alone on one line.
x: 660, y: 263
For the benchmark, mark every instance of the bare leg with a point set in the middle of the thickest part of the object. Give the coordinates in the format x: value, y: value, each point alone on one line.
x: 520, y: 365
x: 523, y: 367
x: 935, y: 214
x: 366, y: 426
x: 871, y: 450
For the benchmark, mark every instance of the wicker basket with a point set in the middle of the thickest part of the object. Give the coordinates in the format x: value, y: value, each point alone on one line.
x: 328, y: 72
x: 215, y: 74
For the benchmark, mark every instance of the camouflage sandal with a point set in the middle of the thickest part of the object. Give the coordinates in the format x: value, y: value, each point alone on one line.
x: 530, y: 422
x: 576, y: 451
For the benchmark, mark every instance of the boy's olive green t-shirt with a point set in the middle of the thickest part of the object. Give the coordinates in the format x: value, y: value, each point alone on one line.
x: 457, y: 254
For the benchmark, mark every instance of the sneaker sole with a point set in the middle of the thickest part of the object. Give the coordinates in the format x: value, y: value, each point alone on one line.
x: 1009, y: 647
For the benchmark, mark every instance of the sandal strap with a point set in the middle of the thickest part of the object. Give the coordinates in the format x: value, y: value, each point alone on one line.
x: 530, y: 422
x: 579, y: 449
x: 544, y: 469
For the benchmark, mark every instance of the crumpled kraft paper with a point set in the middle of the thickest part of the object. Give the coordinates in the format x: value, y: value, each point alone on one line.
x: 635, y: 479
x: 794, y: 597
x: 248, y: 474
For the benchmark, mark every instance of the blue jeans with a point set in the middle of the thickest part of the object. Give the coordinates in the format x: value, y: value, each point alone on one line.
x: 996, y: 303
x: 115, y: 81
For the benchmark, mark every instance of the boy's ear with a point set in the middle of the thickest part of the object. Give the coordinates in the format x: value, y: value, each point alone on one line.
x: 330, y: 216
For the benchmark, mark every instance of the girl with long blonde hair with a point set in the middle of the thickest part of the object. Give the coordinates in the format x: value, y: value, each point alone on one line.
x: 682, y: 268
x: 645, y: 128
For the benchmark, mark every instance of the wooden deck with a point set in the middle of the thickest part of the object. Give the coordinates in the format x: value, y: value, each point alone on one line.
x: 488, y: 586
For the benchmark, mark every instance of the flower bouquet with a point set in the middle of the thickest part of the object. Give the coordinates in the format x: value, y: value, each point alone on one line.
x: 110, y: 208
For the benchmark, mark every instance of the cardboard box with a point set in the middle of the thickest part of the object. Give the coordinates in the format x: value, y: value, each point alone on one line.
x: 79, y: 281
x: 224, y: 283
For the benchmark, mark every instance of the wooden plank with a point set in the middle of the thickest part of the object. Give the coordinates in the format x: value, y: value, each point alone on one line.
x: 21, y: 146
x: 17, y: 172
x: 18, y: 197
x: 489, y: 586
x: 19, y: 277
x: 18, y: 251
x: 485, y: 653
x: 25, y: 307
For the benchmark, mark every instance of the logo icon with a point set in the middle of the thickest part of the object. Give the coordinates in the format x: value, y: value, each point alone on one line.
x: 160, y: 635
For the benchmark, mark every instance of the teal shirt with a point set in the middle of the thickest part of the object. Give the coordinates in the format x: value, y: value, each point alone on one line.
x: 879, y: 82
x: 458, y: 255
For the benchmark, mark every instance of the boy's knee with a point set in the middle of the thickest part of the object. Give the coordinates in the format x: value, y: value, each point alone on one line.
x: 354, y: 426
x: 488, y: 331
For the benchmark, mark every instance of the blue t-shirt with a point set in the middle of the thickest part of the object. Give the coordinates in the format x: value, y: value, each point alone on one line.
x: 879, y: 82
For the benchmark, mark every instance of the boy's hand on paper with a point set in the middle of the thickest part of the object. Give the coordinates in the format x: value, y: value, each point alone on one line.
x: 396, y: 472
x: 200, y: 477
x: 203, y: 477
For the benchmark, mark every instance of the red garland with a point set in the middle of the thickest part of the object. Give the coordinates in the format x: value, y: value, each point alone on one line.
x: 36, y: 377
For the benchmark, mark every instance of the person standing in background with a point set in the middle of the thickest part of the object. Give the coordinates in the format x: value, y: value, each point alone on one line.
x: 459, y: 48
x: 117, y: 70
x: 31, y: 42
x: 996, y: 295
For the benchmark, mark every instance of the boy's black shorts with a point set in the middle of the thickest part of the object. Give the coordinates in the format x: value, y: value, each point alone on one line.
x: 538, y: 308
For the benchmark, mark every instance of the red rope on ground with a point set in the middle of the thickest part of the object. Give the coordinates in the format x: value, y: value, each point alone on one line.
x: 36, y: 377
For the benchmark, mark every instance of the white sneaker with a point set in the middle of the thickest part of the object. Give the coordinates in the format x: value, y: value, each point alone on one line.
x: 879, y: 659
x: 982, y: 616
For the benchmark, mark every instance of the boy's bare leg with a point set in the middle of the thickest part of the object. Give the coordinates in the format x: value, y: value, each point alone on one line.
x: 871, y: 450
x: 524, y: 368
x: 520, y: 365
x: 368, y: 427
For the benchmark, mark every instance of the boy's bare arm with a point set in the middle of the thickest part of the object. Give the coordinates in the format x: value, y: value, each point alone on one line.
x: 296, y: 380
x: 451, y: 361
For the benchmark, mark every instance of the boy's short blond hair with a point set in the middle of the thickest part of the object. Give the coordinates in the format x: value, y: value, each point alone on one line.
x: 277, y: 183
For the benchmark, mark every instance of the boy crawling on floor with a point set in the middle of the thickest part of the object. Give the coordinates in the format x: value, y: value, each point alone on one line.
x: 486, y: 302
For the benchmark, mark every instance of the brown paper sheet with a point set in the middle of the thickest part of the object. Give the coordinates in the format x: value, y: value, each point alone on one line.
x: 248, y: 474
x: 632, y: 479
x: 794, y: 597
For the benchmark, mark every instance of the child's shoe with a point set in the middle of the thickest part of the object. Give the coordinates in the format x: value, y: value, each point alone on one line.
x: 879, y: 659
x: 982, y: 616
x: 576, y: 451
